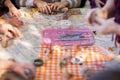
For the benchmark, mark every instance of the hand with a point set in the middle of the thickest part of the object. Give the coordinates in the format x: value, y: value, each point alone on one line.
x: 24, y: 69
x: 18, y: 68
x: 9, y: 31
x: 15, y: 22
x: 43, y: 7
x: 99, y: 3
x: 57, y: 6
x: 107, y: 26
x: 14, y: 12
x: 100, y: 13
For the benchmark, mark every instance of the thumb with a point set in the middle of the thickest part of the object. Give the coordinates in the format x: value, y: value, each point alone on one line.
x: 99, y: 20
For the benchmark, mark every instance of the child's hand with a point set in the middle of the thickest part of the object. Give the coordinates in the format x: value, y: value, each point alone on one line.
x: 14, y: 12
x: 19, y: 68
x: 99, y: 13
x: 107, y: 26
x: 15, y: 22
x: 43, y: 7
x: 57, y: 6
x: 26, y: 70
x: 9, y: 31
x: 99, y: 3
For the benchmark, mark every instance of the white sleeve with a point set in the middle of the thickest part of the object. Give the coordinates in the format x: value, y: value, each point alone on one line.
x: 29, y: 3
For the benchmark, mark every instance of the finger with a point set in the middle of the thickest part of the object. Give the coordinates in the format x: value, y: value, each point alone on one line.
x: 64, y: 9
x: 55, y: 7
x: 41, y: 9
x: 46, y: 10
x: 9, y: 30
x: 58, y: 8
x: 17, y: 32
x: 12, y: 32
x: 19, y: 14
x: 99, y: 20
x: 16, y: 15
x: 98, y: 4
x: 4, y: 42
x: 90, y: 17
x: 101, y: 2
x: 21, y: 69
x: 30, y: 67
x: 49, y: 9
x: 9, y: 34
x: 18, y: 23
x: 52, y: 5
x: 10, y: 14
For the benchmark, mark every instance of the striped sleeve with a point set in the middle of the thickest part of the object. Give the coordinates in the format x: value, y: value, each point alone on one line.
x: 73, y: 3
x: 25, y: 3
x: 29, y: 3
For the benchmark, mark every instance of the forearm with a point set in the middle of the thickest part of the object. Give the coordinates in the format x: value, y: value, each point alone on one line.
x: 36, y: 1
x: 8, y: 4
x: 109, y: 7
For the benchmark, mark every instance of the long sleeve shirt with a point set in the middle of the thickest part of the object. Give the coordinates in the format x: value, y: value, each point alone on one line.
x: 29, y: 3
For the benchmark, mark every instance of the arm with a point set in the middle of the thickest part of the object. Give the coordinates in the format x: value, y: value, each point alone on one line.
x: 13, y: 11
x: 42, y: 6
x: 8, y: 4
x: 106, y: 12
x: 109, y: 7
x: 72, y: 3
x: 108, y: 26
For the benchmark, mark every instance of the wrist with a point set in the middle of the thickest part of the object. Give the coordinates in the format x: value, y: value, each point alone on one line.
x: 66, y: 3
x: 35, y: 2
x: 8, y: 4
x: 102, y: 13
x: 3, y: 21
